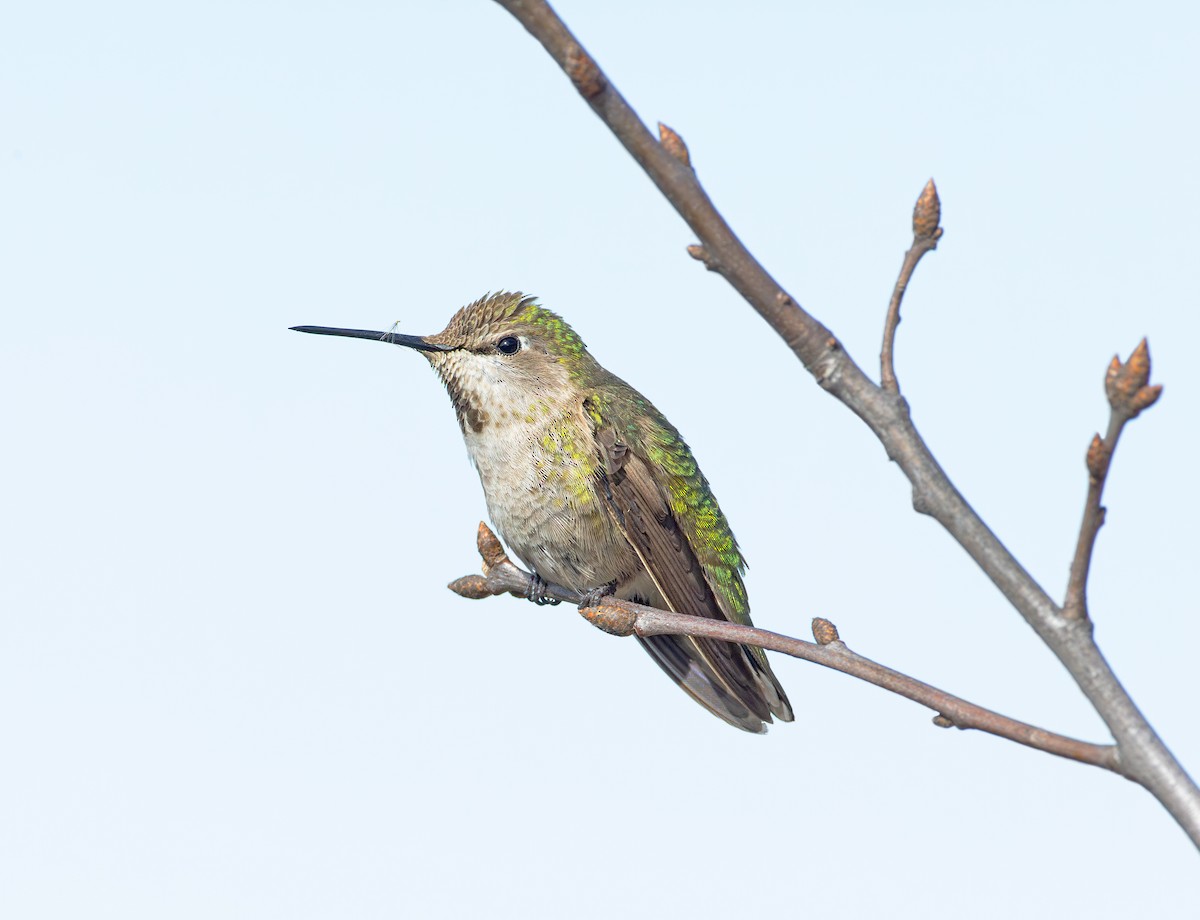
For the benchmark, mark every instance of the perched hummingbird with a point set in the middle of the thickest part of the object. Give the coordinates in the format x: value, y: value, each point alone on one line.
x: 592, y: 488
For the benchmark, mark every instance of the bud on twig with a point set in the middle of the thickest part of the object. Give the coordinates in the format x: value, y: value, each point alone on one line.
x: 1097, y: 458
x: 927, y: 213
x: 674, y: 145
x: 824, y: 631
x: 584, y: 73
x: 1126, y: 384
x: 472, y: 587
x: 700, y: 254
x: 490, y: 550
x: 614, y: 620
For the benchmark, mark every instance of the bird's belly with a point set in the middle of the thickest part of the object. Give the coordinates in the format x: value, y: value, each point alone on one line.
x: 541, y: 495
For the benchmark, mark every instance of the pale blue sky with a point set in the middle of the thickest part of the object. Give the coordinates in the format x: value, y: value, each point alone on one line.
x: 232, y: 682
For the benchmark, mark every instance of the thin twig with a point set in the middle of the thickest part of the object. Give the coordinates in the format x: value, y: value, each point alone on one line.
x: 625, y: 618
x: 1128, y: 394
x: 927, y: 215
x: 1144, y: 757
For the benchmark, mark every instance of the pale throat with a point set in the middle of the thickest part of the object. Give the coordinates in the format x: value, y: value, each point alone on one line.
x: 532, y: 444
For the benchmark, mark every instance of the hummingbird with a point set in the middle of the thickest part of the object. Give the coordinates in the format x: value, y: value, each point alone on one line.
x: 593, y: 489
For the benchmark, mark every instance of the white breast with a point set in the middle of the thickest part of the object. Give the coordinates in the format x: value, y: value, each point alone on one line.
x: 533, y: 447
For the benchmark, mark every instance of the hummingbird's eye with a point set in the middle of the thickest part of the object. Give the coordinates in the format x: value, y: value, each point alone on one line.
x: 509, y: 345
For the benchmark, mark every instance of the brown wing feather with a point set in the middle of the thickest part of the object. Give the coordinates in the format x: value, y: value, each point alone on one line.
x: 719, y: 675
x: 651, y: 528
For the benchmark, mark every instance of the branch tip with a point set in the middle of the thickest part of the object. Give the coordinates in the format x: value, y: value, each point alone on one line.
x: 942, y: 721
x: 490, y: 550
x: 1127, y: 385
x: 472, y: 587
x: 927, y: 214
x: 1139, y: 362
x: 674, y: 145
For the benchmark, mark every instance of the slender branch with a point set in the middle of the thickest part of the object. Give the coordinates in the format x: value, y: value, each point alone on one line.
x: 1128, y: 395
x: 1144, y: 757
x: 927, y: 214
x: 625, y: 618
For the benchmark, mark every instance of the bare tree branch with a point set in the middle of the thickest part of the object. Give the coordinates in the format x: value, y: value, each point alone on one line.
x: 927, y: 215
x: 1142, y: 755
x: 625, y: 618
x: 1128, y: 394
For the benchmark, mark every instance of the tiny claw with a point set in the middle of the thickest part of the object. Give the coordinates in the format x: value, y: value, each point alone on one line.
x: 593, y: 597
x: 536, y: 592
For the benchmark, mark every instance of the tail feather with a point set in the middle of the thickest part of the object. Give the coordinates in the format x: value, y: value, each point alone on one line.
x: 679, y: 658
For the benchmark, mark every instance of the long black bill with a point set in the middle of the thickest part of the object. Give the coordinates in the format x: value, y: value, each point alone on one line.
x: 392, y: 338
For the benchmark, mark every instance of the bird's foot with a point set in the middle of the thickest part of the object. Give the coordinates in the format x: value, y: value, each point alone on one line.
x: 536, y: 592
x: 593, y: 597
